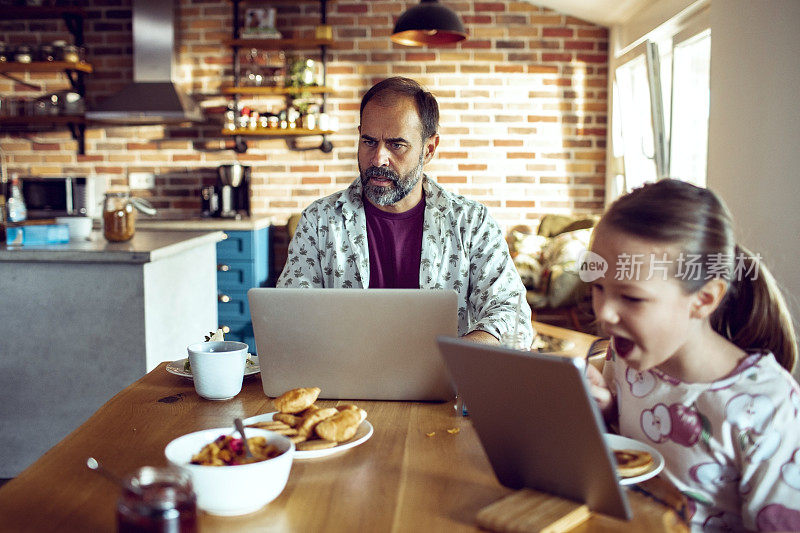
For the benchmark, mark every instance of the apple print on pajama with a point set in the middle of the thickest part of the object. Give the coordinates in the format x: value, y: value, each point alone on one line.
x: 764, y: 447
x: 790, y: 472
x: 777, y: 517
x: 641, y: 383
x: 677, y: 422
x: 723, y: 522
x: 714, y: 474
x: 747, y: 411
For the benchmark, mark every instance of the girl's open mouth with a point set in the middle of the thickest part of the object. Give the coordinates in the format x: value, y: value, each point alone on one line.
x: 623, y: 346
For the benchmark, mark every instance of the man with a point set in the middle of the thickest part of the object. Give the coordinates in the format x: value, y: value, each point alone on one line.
x: 394, y: 227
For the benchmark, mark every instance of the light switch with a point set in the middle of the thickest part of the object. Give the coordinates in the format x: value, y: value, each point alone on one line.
x: 141, y: 180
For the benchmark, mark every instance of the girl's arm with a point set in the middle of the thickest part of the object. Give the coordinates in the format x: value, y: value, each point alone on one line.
x: 602, y: 394
x: 770, y: 476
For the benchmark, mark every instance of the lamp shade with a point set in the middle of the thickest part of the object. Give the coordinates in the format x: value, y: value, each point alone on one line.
x: 428, y: 23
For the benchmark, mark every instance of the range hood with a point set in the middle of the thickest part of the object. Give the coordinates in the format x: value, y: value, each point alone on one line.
x: 152, y: 98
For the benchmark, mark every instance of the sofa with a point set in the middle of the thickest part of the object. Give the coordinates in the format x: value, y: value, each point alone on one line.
x: 547, y: 262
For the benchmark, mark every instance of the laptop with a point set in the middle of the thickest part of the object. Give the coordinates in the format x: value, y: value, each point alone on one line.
x: 367, y: 344
x: 537, y: 422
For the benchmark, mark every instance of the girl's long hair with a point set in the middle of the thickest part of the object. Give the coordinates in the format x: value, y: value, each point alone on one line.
x: 753, y: 315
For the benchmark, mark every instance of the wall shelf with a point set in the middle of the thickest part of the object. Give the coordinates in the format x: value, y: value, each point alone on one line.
x: 275, y: 91
x: 42, y: 120
x: 74, y: 71
x: 278, y: 44
x: 46, y: 66
x: 277, y: 132
x: 75, y: 123
x: 238, y: 44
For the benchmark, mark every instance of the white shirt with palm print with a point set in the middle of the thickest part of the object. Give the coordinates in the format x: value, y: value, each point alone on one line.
x: 462, y: 249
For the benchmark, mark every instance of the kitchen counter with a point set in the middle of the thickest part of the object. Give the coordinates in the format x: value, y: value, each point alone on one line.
x: 144, y: 247
x: 83, y: 320
x: 194, y: 223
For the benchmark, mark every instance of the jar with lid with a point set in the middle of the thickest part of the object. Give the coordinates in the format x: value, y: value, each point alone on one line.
x: 119, y: 214
x: 47, y: 53
x: 72, y: 53
x: 157, y: 499
x: 23, y: 54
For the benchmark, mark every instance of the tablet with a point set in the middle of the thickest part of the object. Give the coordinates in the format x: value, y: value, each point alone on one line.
x: 537, y: 422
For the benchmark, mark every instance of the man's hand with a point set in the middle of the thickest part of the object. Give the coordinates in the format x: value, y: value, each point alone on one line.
x: 481, y: 337
x: 599, y: 390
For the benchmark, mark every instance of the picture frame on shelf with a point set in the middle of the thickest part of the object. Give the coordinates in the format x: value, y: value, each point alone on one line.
x: 259, y: 23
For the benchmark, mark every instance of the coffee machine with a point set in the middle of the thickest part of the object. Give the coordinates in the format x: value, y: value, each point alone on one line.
x: 233, y: 191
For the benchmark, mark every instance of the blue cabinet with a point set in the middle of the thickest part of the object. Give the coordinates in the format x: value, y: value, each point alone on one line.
x: 242, y: 263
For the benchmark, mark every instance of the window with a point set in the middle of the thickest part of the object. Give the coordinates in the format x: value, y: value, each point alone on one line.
x: 660, y: 107
x: 688, y: 145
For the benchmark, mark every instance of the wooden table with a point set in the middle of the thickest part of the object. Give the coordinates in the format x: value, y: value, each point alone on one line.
x: 401, y: 479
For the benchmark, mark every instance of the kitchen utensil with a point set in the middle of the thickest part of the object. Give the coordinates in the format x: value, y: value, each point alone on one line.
x: 93, y: 464
x: 240, y: 428
x: 231, y: 174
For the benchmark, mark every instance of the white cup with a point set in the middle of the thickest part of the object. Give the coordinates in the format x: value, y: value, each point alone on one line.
x: 218, y: 368
x: 80, y: 228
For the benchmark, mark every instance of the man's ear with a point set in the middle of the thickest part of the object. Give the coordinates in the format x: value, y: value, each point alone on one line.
x: 431, y: 143
x: 708, y: 298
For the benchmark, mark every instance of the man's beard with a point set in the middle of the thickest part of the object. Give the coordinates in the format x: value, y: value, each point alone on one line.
x: 400, y: 187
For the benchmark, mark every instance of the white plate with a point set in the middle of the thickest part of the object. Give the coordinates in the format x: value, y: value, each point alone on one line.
x: 177, y: 368
x: 363, y: 434
x: 618, y: 442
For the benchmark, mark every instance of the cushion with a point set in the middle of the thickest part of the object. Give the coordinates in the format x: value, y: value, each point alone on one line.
x: 549, y: 266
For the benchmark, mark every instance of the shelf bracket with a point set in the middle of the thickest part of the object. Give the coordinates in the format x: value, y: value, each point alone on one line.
x: 78, y: 132
x: 76, y: 81
x: 239, y: 144
x: 21, y: 82
x: 325, y: 146
x: 75, y: 26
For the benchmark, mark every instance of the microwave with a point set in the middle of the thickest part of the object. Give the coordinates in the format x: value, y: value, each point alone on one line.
x: 55, y: 197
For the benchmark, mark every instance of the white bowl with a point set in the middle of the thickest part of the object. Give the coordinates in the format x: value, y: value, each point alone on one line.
x: 80, y: 228
x: 238, y: 489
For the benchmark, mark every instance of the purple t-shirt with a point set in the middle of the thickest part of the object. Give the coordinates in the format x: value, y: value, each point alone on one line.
x: 395, y: 246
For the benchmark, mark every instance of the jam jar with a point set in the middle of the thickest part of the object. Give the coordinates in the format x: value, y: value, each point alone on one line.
x: 157, y: 500
x: 119, y: 216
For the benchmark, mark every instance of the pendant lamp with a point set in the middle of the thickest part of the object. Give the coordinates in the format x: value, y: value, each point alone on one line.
x: 428, y: 23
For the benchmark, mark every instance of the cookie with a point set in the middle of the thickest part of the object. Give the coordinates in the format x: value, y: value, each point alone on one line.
x: 297, y: 439
x: 287, y: 419
x: 296, y: 400
x: 352, y: 407
x: 270, y: 425
x: 339, y: 427
x: 632, y: 463
x: 316, y: 444
x: 308, y: 423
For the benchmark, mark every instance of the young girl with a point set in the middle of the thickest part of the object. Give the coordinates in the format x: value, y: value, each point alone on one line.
x: 701, y: 349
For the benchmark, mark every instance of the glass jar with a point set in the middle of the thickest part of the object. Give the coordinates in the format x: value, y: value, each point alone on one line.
x: 23, y: 54
x: 513, y: 340
x: 119, y: 216
x: 72, y: 54
x: 47, y: 53
x: 157, y: 500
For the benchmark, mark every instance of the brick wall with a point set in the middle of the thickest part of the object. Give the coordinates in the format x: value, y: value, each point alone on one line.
x: 523, y: 107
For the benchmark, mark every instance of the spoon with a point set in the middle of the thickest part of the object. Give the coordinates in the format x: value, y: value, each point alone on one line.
x: 92, y: 463
x: 240, y: 428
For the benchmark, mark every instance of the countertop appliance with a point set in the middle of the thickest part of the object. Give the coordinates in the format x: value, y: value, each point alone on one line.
x: 55, y: 197
x: 233, y: 189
